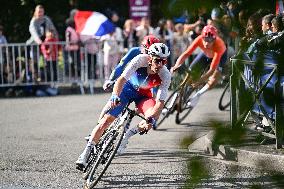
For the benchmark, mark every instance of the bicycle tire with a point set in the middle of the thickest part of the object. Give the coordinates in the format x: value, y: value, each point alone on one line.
x: 170, y: 111
x: 112, y: 140
x: 183, y: 110
x: 223, y: 104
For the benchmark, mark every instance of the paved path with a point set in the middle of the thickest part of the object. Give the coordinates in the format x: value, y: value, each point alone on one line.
x: 41, y: 138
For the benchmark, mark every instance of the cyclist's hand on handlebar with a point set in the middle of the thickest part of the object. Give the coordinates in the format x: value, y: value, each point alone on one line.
x: 152, y: 121
x: 107, y: 85
x: 114, y: 100
x: 173, y: 69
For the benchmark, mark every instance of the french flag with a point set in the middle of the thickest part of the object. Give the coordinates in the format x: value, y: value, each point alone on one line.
x: 92, y: 23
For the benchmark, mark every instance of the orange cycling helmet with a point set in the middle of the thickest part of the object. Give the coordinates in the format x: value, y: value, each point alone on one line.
x: 148, y: 40
x: 209, y: 33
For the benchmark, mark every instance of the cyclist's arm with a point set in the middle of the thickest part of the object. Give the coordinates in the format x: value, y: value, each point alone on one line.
x: 123, y: 62
x: 187, y: 52
x: 162, y: 92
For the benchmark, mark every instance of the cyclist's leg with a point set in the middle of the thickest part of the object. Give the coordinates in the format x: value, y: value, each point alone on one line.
x: 144, y: 106
x: 203, y: 61
x: 110, y: 116
x: 213, y: 80
x: 199, y: 63
x: 103, y: 124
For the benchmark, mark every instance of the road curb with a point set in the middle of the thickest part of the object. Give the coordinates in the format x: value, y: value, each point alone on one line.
x: 250, y: 154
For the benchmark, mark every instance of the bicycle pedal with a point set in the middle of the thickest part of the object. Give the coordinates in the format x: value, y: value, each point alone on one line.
x: 80, y: 167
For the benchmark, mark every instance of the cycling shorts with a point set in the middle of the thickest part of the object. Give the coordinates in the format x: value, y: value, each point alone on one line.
x: 203, y: 61
x: 128, y: 95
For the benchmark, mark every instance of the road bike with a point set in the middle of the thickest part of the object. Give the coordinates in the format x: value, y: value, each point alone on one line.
x: 225, y: 101
x: 178, y: 99
x: 107, y: 147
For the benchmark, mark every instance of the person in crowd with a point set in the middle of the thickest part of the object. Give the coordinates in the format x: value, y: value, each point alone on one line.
x: 72, y: 49
x: 38, y: 26
x: 266, y: 24
x: 144, y: 72
x: 144, y: 29
x: 91, y: 47
x: 252, y: 34
x: 3, y: 39
x: 165, y: 34
x: 111, y: 49
x: 50, y: 51
x: 129, y: 35
x: 216, y: 16
x: 213, y: 53
x: 180, y: 40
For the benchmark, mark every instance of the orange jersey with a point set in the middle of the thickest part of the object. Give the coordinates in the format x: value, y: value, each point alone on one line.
x: 215, y: 52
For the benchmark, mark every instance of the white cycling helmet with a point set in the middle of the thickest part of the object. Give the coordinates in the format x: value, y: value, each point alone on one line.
x: 159, y: 50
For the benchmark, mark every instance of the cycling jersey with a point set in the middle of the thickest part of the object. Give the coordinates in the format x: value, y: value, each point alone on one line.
x: 215, y: 53
x: 136, y: 74
x: 139, y: 84
x: 123, y: 62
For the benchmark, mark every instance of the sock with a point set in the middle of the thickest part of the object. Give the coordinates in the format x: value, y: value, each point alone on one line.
x: 203, y: 90
x: 131, y: 132
x: 90, y: 143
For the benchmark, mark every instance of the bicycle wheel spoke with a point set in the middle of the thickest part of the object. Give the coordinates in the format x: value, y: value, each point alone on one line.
x: 169, y: 107
x: 108, y: 144
x: 224, y: 101
x: 183, y: 109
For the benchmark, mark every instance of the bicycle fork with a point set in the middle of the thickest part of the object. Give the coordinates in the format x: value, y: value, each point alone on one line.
x: 173, y: 101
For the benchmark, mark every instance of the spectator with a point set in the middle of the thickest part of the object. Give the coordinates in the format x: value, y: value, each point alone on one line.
x: 144, y: 29
x: 2, y: 53
x: 3, y: 39
x: 277, y: 24
x: 111, y: 52
x: 50, y: 52
x: 216, y: 16
x: 180, y: 41
x: 72, y: 48
x: 38, y: 26
x: 266, y: 24
x: 118, y: 32
x: 91, y: 49
x: 129, y: 35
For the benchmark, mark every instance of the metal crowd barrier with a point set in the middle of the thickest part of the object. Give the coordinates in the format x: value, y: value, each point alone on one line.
x: 248, y: 84
x: 26, y: 65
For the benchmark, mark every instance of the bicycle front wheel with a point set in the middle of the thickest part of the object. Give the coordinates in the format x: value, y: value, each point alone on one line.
x: 183, y: 110
x: 225, y: 100
x: 108, y: 146
x: 169, y: 107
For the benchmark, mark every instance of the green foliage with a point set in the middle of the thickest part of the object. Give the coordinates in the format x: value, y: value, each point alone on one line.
x: 197, y: 171
x: 186, y: 141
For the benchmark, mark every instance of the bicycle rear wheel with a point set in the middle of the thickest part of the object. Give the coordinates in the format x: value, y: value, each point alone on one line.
x: 225, y: 100
x: 170, y: 107
x: 184, y: 98
x: 108, y: 146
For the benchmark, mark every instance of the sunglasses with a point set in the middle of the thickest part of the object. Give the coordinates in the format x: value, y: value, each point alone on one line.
x: 208, y: 39
x: 159, y: 61
x: 145, y: 48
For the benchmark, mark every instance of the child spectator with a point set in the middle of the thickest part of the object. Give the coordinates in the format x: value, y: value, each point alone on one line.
x: 72, y: 48
x: 49, y: 50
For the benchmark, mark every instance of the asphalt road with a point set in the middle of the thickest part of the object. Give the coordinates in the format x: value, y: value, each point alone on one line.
x: 41, y: 139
